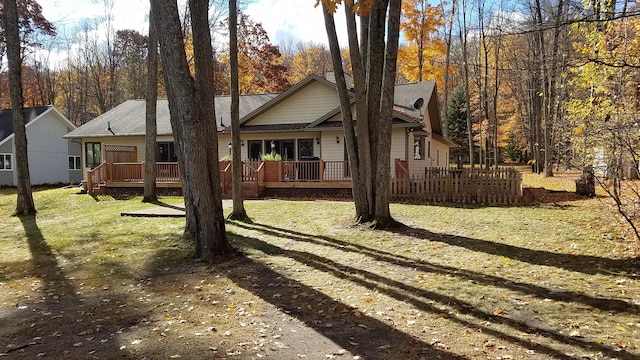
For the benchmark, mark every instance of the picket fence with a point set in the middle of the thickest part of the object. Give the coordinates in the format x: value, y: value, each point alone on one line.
x: 465, y: 186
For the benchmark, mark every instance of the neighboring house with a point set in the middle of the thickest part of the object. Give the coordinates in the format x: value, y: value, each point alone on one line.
x: 52, y: 159
x: 303, y: 123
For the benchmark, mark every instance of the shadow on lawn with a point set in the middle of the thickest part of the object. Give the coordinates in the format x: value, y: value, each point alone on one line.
x: 604, y: 304
x: 359, y: 334
x: 424, y: 299
x: 585, y: 264
x: 51, y: 323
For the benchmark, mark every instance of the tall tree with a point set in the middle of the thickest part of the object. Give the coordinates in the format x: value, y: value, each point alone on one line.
x: 259, y: 61
x: 191, y: 105
x: 151, y: 129
x: 420, y: 24
x: 24, y: 205
x: 373, y: 59
x: 238, y: 212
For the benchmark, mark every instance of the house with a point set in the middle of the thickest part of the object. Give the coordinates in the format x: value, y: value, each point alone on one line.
x: 302, y: 124
x: 52, y: 159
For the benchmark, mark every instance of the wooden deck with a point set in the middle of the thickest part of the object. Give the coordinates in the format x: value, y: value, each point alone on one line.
x: 326, y: 179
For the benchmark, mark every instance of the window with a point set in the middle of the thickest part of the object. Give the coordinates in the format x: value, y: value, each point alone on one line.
x: 429, y: 149
x: 5, y: 162
x: 75, y: 163
x: 437, y: 157
x: 255, y: 149
x: 92, y: 150
x: 305, y: 149
x: 418, y: 148
x: 284, y: 148
x: 166, y: 152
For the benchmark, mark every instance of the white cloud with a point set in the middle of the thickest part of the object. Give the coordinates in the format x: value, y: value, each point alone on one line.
x: 299, y: 20
x: 284, y: 20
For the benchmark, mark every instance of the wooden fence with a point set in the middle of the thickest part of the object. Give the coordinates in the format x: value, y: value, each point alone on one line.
x: 490, y: 187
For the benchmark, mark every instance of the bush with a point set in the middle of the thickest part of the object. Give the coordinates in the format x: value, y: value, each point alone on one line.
x: 271, y: 157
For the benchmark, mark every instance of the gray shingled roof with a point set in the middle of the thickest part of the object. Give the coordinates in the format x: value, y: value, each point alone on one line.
x: 127, y: 119
x: 6, y: 119
x: 406, y: 95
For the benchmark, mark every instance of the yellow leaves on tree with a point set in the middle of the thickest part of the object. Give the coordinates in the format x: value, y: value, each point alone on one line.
x: 422, y: 58
x: 315, y: 59
x: 361, y: 7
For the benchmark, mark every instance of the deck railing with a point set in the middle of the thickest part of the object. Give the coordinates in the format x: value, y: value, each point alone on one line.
x: 502, y: 186
x: 316, y: 171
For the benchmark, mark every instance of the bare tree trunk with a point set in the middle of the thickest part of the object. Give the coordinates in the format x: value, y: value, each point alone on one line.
x: 445, y: 115
x: 359, y: 189
x: 24, y: 205
x: 357, y: 139
x: 463, y: 35
x: 383, y: 177
x: 239, y: 211
x: 193, y: 122
x: 373, y: 62
x: 151, y: 130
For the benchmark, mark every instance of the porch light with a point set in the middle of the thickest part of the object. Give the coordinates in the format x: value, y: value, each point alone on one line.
x: 317, y: 141
x: 337, y: 139
x: 229, y: 148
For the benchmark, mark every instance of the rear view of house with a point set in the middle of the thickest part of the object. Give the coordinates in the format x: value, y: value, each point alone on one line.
x: 52, y: 159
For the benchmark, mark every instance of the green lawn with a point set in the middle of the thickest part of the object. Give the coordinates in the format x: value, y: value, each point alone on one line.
x: 555, y: 280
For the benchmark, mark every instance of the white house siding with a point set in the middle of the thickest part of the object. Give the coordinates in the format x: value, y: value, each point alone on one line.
x: 440, y: 154
x: 74, y: 149
x: 47, y: 151
x: 305, y: 106
x: 398, y: 147
x: 331, y: 150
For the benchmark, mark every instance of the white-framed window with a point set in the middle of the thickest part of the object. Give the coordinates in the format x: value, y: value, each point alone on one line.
x: 6, y: 162
x: 75, y: 163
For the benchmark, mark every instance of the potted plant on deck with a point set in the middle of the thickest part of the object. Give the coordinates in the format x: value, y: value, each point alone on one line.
x: 272, y: 167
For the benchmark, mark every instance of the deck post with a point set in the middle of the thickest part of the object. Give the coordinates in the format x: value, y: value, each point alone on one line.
x: 321, y: 164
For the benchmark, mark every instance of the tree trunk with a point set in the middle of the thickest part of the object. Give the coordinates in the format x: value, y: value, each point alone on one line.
x: 193, y: 122
x: 24, y: 204
x: 239, y: 212
x: 445, y: 116
x: 150, y: 191
x: 369, y: 145
x: 383, y: 177
x: 465, y: 56
x: 359, y: 188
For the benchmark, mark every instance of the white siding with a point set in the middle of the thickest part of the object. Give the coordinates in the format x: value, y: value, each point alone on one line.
x: 305, y: 106
x: 48, y: 152
x: 331, y: 150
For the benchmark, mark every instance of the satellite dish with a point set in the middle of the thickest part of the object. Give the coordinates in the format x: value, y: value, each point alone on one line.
x: 418, y: 104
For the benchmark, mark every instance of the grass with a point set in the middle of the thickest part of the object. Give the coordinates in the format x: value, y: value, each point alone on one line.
x: 554, y: 280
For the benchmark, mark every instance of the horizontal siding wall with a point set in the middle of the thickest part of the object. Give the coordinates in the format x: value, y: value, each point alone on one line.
x: 398, y: 147
x: 48, y: 152
x: 305, y: 106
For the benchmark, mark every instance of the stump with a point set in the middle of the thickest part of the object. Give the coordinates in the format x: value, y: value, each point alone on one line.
x: 586, y: 184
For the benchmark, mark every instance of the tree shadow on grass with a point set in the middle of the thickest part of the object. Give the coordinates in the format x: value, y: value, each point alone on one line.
x: 604, y: 304
x: 422, y: 299
x: 586, y: 264
x: 55, y: 322
x: 357, y: 333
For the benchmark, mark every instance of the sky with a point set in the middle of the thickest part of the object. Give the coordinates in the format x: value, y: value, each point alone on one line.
x: 286, y: 21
